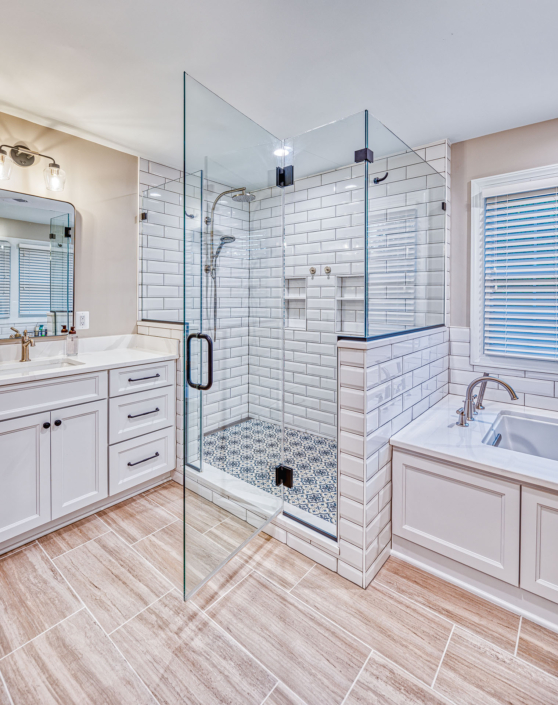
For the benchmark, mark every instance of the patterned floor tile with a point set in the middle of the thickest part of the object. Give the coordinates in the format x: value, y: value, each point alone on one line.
x: 251, y: 449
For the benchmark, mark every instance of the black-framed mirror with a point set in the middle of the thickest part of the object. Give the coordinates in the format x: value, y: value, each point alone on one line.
x: 36, y: 265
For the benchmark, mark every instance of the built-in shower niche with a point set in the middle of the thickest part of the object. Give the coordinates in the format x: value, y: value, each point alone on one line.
x: 349, y: 305
x: 295, y: 303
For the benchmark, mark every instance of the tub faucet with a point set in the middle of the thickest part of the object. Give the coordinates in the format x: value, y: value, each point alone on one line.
x: 466, y: 413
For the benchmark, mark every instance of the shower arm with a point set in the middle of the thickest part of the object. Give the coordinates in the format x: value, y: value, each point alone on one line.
x: 225, y: 193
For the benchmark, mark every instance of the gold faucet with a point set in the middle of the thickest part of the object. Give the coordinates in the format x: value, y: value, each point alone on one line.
x: 26, y: 341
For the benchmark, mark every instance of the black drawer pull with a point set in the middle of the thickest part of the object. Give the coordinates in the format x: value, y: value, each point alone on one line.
x: 140, y: 379
x: 58, y: 422
x: 135, y: 416
x: 144, y: 460
x: 46, y: 424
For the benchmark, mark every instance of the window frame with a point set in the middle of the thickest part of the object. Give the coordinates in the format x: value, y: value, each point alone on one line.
x: 514, y: 182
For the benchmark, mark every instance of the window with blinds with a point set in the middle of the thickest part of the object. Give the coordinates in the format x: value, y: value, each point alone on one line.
x: 34, y: 280
x: 61, y: 279
x: 5, y: 278
x: 521, y: 274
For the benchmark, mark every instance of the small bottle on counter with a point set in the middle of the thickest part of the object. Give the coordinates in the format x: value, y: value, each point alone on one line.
x: 72, y: 343
x: 64, y: 330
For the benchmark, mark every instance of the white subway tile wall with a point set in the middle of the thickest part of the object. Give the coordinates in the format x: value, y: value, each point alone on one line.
x: 536, y: 389
x: 395, y: 395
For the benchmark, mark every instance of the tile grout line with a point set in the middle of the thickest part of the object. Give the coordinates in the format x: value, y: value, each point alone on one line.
x: 271, y: 691
x: 13, y: 551
x: 357, y: 677
x: 52, y: 558
x: 226, y: 591
x: 142, y: 610
x: 3, y: 680
x: 518, y: 633
x: 148, y: 535
x: 240, y: 646
x: 441, y: 660
x: 301, y: 579
x: 41, y: 634
x: 101, y: 628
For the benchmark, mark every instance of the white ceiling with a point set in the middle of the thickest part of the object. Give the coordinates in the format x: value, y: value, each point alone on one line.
x: 111, y: 70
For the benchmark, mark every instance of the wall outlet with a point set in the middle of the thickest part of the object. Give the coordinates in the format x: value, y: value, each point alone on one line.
x: 82, y: 320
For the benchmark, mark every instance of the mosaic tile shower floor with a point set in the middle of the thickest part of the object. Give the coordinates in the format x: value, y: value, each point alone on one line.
x: 251, y: 449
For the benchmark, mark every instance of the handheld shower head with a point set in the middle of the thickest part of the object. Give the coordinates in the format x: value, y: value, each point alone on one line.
x: 244, y: 197
x: 225, y: 240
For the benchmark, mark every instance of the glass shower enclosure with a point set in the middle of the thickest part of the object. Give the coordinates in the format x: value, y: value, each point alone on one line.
x: 289, y: 245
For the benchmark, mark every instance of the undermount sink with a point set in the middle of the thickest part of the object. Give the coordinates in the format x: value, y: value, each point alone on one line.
x: 524, y: 433
x: 35, y: 366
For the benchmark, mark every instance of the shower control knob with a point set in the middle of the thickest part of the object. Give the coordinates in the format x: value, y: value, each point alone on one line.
x: 312, y: 270
x: 327, y: 270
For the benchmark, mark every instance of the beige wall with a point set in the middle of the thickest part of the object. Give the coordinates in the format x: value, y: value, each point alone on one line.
x: 102, y: 185
x: 499, y: 153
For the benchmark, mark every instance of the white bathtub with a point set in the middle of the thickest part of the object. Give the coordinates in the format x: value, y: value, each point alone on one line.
x: 524, y: 433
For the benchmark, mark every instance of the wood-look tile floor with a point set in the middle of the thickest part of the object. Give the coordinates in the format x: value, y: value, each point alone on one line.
x: 93, y: 614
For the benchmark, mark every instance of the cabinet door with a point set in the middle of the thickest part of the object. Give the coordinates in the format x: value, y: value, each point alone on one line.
x: 539, y: 542
x: 24, y: 474
x: 78, y: 457
x: 464, y: 515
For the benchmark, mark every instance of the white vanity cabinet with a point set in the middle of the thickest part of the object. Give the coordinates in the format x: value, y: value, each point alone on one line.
x: 24, y: 474
x: 539, y: 542
x: 78, y: 455
x: 469, y: 517
x: 69, y: 442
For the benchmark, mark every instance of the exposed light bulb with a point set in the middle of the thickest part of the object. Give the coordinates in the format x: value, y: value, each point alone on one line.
x: 5, y: 167
x: 55, y: 177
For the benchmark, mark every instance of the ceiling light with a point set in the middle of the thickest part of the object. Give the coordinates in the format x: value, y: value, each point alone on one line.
x: 55, y: 177
x: 5, y: 166
x: 281, y: 152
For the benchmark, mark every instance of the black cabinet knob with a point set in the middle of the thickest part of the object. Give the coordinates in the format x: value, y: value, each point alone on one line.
x: 58, y: 422
x: 46, y: 424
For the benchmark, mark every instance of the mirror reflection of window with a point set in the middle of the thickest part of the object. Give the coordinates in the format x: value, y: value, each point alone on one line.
x: 36, y: 265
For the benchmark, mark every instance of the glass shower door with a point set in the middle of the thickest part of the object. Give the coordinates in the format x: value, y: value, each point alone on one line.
x: 233, y: 333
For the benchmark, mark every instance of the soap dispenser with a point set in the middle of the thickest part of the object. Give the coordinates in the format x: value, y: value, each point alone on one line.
x: 72, y: 343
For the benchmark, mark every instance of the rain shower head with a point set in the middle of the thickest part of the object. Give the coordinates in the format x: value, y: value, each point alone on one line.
x: 244, y: 197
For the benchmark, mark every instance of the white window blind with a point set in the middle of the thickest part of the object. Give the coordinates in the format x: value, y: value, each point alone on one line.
x: 34, y: 280
x: 521, y: 274
x: 61, y: 279
x: 5, y: 279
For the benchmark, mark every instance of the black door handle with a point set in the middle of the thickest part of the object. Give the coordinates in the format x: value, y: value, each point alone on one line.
x: 46, y: 424
x: 144, y: 460
x: 135, y: 416
x: 207, y: 338
x: 58, y: 422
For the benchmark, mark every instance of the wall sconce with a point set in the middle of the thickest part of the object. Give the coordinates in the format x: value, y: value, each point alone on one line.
x: 55, y: 177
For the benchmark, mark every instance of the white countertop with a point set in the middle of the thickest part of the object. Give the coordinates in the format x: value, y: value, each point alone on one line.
x: 436, y: 435
x: 102, y: 353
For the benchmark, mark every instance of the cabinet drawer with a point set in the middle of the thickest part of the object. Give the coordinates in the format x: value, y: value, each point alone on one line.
x: 141, y: 459
x: 135, y: 414
x: 539, y: 539
x: 141, y: 377
x: 466, y: 516
x: 34, y: 397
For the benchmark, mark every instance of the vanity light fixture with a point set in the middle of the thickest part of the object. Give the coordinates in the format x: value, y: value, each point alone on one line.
x: 55, y: 177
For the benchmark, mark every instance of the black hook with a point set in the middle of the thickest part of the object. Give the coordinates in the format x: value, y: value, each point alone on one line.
x: 377, y: 180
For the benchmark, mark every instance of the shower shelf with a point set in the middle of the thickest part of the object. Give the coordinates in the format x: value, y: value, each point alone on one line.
x: 295, y: 303
x: 349, y: 304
